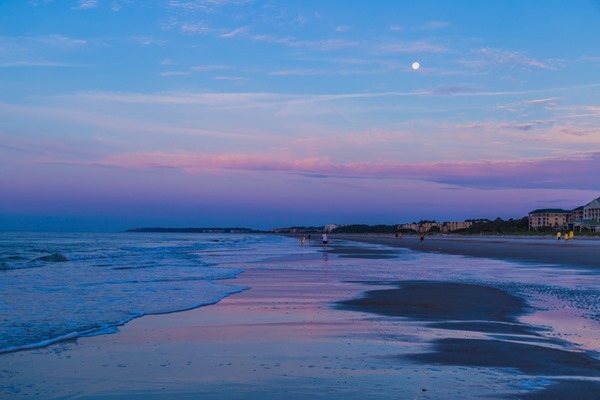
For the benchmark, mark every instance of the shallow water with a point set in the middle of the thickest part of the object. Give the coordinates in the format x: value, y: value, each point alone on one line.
x: 133, y: 274
x: 64, y: 285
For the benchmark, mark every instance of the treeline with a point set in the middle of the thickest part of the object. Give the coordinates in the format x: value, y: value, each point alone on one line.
x: 361, y: 228
x: 195, y: 230
x: 497, y: 226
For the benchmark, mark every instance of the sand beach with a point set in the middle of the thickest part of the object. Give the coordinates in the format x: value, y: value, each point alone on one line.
x: 581, y: 251
x: 362, y: 318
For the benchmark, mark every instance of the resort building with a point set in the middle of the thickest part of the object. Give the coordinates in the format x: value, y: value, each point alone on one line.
x: 591, y: 210
x: 577, y: 213
x: 420, y: 227
x: 455, y: 226
x: 580, y: 219
x: 588, y: 218
x: 548, y: 218
x: 426, y: 226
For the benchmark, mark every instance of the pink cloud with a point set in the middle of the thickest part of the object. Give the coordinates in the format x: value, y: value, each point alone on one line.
x: 578, y: 172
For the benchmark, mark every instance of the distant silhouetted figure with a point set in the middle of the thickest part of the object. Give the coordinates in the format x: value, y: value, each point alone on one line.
x: 325, y: 239
x: 422, y: 234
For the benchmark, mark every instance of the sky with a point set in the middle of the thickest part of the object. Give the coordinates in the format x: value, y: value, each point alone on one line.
x: 262, y: 114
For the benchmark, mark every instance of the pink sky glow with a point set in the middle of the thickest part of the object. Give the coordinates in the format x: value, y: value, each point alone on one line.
x: 301, y: 113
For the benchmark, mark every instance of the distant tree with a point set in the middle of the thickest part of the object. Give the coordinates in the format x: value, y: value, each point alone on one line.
x: 362, y: 228
x: 498, y: 226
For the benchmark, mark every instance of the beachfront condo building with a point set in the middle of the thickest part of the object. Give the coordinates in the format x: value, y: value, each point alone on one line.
x: 579, y: 219
x: 577, y: 213
x: 548, y: 218
x: 426, y: 226
x: 455, y: 226
x: 591, y: 210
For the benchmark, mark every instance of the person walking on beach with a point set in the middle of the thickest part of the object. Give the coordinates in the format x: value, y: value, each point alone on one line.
x: 558, y: 235
x: 325, y: 239
x: 422, y: 234
x: 302, y: 241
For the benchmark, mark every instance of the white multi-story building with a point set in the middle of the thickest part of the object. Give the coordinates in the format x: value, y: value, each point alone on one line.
x: 591, y: 210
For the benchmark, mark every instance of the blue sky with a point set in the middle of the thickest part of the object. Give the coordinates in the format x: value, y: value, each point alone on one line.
x: 273, y: 113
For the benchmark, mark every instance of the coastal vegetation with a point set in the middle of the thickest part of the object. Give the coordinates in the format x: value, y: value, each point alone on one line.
x: 498, y: 226
x: 195, y: 230
x: 482, y: 226
x: 485, y: 226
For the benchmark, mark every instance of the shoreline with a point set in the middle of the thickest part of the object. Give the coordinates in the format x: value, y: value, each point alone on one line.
x: 575, y: 253
x: 314, y: 327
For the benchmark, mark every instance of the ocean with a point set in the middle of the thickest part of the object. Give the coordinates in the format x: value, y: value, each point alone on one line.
x: 56, y: 286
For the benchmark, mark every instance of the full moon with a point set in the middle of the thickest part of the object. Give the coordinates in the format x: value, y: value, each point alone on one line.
x: 416, y: 65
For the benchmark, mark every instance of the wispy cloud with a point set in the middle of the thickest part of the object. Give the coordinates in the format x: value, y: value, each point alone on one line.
x: 57, y: 40
x: 320, y: 45
x: 175, y: 73
x: 87, y: 4
x: 37, y: 51
x: 519, y: 106
x: 116, y: 6
x: 549, y: 173
x: 146, y: 41
x: 207, y: 6
x: 325, y: 44
x: 206, y: 68
x: 241, y: 31
x: 233, y: 79
x: 37, y: 3
x: 299, y: 72
x: 200, y: 27
x: 41, y: 64
x: 229, y: 98
x: 489, y: 57
x: 448, y: 91
x: 195, y: 27
x: 412, y: 48
x: 580, y: 132
x: 34, y: 43
x: 525, y: 126
x: 434, y: 25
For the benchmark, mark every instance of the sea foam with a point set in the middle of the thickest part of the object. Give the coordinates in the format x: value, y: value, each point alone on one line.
x: 63, y: 286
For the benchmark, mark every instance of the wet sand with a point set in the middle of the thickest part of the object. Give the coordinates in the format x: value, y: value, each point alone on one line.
x: 580, y: 252
x: 490, y: 310
x: 319, y: 333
